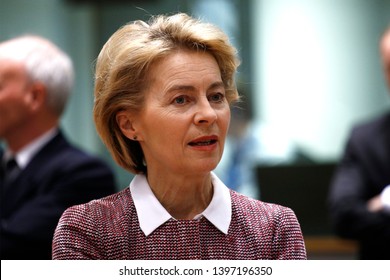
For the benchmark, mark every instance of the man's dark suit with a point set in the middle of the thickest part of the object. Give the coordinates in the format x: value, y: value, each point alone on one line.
x: 57, y: 177
x: 363, y: 173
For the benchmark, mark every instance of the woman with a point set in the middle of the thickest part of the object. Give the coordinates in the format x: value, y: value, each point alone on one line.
x: 163, y: 92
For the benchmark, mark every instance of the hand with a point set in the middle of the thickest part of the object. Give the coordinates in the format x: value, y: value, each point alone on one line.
x: 375, y: 204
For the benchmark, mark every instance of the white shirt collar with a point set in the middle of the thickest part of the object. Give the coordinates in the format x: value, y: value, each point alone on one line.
x: 151, y: 214
x: 24, y: 156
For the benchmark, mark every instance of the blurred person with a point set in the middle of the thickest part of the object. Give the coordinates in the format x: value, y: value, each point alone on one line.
x: 163, y: 91
x: 360, y: 192
x: 48, y: 173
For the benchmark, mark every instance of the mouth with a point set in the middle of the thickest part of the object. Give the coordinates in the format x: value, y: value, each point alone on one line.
x: 204, y: 141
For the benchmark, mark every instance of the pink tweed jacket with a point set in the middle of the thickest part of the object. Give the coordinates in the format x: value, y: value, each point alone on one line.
x: 108, y: 228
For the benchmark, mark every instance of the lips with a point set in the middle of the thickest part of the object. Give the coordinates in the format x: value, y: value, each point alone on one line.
x: 204, y: 141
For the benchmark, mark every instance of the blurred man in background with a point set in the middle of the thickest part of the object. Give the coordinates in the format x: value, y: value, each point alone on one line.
x: 360, y: 193
x: 41, y: 173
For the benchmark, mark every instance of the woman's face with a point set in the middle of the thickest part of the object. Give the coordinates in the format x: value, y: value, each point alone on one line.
x: 183, y: 125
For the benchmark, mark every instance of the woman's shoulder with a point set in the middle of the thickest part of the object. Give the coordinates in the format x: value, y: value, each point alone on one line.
x: 273, y: 227
x: 111, y: 205
x: 260, y: 209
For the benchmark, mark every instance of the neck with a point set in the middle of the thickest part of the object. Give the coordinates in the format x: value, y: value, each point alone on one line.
x: 182, y: 196
x: 18, y: 142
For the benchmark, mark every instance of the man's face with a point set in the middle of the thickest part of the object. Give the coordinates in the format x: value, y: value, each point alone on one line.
x: 14, y: 100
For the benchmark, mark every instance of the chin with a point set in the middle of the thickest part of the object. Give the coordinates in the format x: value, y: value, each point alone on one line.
x: 207, y: 167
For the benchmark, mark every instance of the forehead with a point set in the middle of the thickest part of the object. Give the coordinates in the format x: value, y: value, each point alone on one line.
x: 11, y: 68
x: 185, y: 61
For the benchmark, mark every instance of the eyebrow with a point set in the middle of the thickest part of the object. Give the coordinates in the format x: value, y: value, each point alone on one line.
x: 215, y: 85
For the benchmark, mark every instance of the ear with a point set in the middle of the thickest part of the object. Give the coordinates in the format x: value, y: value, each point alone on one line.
x: 124, y: 119
x: 37, y: 96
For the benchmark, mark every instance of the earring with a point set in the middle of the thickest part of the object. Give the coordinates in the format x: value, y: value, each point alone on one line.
x: 135, y: 137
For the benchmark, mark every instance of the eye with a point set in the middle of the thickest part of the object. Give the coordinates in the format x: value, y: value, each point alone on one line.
x: 180, y: 100
x: 216, y: 97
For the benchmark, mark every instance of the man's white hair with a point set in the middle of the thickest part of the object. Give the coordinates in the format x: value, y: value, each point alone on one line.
x: 44, y: 62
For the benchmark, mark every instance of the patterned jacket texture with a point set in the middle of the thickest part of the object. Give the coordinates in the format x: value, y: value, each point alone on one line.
x: 108, y: 228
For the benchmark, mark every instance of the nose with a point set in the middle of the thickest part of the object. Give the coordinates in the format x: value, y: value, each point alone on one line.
x: 205, y: 113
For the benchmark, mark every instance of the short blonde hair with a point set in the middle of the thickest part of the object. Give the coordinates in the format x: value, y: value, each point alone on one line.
x: 122, y: 68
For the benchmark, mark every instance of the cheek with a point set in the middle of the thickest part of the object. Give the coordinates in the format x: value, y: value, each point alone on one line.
x: 225, y: 120
x: 160, y: 126
x: 11, y: 103
x: 15, y: 96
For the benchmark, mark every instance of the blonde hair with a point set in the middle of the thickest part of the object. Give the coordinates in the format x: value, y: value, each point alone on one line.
x: 122, y: 71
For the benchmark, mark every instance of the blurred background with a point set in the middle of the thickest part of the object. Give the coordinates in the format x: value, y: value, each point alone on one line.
x: 310, y: 71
